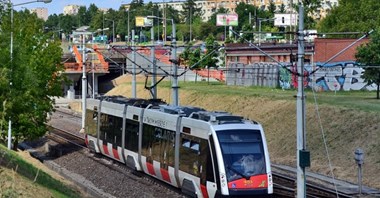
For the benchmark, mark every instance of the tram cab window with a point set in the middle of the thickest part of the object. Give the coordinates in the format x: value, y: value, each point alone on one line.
x: 243, y: 153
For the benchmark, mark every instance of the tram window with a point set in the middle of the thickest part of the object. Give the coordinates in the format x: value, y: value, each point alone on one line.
x: 193, y: 156
x: 103, y: 126
x: 117, y: 128
x: 131, y: 135
x: 91, y: 124
x: 186, y: 143
x: 157, y: 145
x: 195, y: 146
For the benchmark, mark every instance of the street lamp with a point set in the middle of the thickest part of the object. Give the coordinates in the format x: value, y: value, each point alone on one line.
x: 129, y: 36
x: 113, y: 29
x: 11, y: 54
x: 83, y: 32
x: 173, y: 60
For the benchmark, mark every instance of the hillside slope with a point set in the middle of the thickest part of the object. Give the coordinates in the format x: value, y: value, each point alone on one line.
x: 345, y: 129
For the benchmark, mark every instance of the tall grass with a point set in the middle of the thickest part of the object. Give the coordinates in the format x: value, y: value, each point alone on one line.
x: 9, y: 159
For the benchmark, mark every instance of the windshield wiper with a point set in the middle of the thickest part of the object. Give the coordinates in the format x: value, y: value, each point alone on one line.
x: 239, y: 173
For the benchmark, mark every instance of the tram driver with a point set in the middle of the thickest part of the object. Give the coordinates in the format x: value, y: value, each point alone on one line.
x: 247, y: 166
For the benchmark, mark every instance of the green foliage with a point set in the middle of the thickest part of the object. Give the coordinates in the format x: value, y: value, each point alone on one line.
x: 195, y: 58
x: 310, y: 8
x: 211, y: 55
x: 368, y: 55
x: 34, y: 72
x: 352, y: 16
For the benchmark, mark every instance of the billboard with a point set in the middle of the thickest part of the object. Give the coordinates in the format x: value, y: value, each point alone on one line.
x: 143, y: 22
x: 285, y: 19
x: 227, y: 20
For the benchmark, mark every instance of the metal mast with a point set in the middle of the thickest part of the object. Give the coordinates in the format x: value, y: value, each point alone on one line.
x: 303, y: 156
x: 133, y: 65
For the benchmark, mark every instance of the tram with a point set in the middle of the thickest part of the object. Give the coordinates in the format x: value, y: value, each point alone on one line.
x: 204, y: 153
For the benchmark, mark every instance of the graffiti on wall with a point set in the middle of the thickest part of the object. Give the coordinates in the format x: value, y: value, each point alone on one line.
x: 336, y: 76
x: 340, y: 76
x: 256, y: 74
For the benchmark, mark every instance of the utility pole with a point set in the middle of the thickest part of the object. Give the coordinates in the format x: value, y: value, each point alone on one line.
x: 152, y: 51
x: 175, y: 64
x: 133, y: 65
x: 84, y: 81
x: 303, y: 156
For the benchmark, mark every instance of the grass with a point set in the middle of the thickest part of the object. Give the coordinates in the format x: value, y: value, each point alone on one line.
x: 360, y: 100
x: 29, y: 174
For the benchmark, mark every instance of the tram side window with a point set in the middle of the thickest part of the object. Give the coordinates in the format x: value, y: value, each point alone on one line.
x: 193, y: 156
x: 111, y: 129
x: 103, y: 127
x: 92, y: 120
x: 158, y: 145
x: 132, y: 135
x: 117, y: 131
x: 147, y: 141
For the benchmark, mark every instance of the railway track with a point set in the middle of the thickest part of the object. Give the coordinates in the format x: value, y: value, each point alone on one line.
x: 66, y: 142
x: 285, y: 186
x: 66, y: 136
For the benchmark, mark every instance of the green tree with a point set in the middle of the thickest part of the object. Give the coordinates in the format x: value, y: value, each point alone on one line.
x: 310, y: 8
x: 368, y: 55
x: 190, y: 56
x: 272, y: 7
x: 352, y: 16
x: 34, y: 72
x: 82, y: 17
x: 210, y: 58
x: 92, y: 10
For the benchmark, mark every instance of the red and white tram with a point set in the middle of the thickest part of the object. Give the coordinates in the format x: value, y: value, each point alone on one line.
x: 206, y: 154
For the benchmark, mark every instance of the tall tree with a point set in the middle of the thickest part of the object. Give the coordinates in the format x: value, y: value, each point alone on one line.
x: 92, y: 10
x: 368, y: 56
x: 272, y: 7
x: 190, y: 11
x: 210, y: 57
x: 189, y: 14
x: 34, y: 72
x: 310, y: 9
x: 352, y: 16
x: 83, y: 18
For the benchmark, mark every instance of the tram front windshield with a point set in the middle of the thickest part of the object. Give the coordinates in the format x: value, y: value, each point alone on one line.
x: 243, y: 153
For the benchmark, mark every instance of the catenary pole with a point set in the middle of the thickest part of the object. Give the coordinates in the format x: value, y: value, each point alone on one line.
x: 301, y: 129
x: 152, y: 51
x: 133, y: 65
x: 84, y: 81
x: 175, y: 76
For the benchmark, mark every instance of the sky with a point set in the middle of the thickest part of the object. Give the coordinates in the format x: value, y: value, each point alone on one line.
x: 56, y: 6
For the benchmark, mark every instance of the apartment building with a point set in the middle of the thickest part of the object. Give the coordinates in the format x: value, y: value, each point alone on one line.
x: 42, y: 13
x: 71, y: 9
x: 208, y: 7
